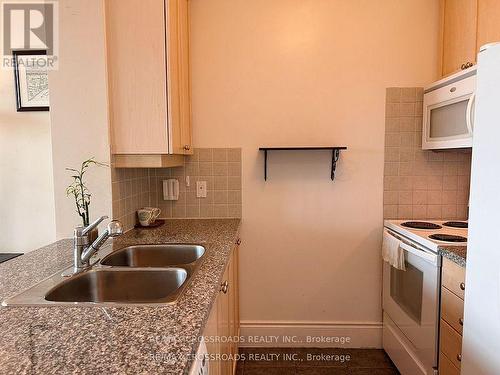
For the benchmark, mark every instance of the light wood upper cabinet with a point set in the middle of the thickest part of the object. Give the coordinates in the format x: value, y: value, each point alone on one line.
x: 147, y: 46
x: 466, y: 25
x: 459, y: 23
x: 488, y: 22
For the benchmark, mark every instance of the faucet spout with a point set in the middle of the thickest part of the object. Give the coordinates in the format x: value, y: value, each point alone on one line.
x: 83, y: 251
x: 114, y: 229
x: 93, y: 225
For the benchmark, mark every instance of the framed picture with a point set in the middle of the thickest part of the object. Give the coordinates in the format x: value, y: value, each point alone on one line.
x: 31, y: 80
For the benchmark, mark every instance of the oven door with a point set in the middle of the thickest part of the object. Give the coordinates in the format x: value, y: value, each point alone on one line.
x: 449, y: 116
x: 411, y: 299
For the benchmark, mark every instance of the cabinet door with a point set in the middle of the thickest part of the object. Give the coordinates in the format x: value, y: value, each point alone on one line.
x: 236, y: 295
x: 488, y: 22
x: 459, y: 34
x: 223, y: 325
x: 178, y: 82
x: 135, y: 42
x: 450, y: 343
x: 446, y: 367
x: 231, y: 307
x: 213, y: 347
x: 453, y: 277
x: 452, y: 310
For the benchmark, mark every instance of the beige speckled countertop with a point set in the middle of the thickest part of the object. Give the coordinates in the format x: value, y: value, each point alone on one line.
x: 457, y: 254
x: 115, y: 340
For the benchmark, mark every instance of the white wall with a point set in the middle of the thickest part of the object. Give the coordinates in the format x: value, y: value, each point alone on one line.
x: 26, y: 188
x: 308, y: 72
x: 79, y: 109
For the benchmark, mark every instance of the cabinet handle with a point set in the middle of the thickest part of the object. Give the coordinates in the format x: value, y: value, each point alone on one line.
x: 187, y: 147
x: 238, y: 241
x: 459, y: 357
x: 224, y: 287
x: 462, y: 286
x: 462, y: 66
x: 461, y: 321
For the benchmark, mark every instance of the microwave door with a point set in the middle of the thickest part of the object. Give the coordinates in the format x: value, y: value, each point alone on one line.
x: 448, y: 119
x: 450, y: 124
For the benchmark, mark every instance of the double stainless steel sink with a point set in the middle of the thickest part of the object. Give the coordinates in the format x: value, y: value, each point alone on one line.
x: 141, y: 274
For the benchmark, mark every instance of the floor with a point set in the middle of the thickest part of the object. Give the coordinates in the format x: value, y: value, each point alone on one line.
x: 301, y: 361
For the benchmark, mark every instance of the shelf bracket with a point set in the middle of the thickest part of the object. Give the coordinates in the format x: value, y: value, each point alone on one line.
x: 265, y: 165
x: 335, y: 159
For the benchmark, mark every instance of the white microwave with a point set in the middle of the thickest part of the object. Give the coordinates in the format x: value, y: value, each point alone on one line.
x: 449, y: 112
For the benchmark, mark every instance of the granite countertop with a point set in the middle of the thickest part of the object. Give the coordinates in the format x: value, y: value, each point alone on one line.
x: 126, y: 340
x: 457, y: 254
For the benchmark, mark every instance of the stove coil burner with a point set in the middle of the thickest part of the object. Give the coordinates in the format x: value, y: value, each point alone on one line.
x: 421, y: 225
x: 447, y: 238
x: 456, y: 224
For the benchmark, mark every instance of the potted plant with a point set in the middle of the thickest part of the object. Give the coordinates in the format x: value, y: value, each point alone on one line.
x: 81, y: 194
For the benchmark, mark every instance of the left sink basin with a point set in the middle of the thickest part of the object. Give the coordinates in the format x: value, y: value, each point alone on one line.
x: 124, y: 286
x: 111, y: 286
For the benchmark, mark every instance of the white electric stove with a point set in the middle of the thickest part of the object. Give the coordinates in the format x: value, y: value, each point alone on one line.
x: 411, y: 297
x: 431, y: 233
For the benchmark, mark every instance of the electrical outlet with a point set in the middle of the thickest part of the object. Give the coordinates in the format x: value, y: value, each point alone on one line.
x: 201, y: 189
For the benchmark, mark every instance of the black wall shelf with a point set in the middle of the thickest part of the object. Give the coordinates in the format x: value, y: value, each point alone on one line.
x: 335, y: 155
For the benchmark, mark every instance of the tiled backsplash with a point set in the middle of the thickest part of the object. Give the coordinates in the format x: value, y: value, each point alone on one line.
x: 420, y: 184
x: 130, y: 191
x: 220, y: 168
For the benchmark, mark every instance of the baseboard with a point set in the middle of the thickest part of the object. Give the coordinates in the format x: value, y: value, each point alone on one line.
x: 311, y: 334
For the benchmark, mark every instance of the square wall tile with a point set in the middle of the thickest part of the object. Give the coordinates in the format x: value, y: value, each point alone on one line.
x: 205, y: 154
x: 219, y: 154
x: 393, y: 94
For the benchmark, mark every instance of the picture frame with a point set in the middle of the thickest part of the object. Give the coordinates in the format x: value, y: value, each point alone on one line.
x: 31, y: 80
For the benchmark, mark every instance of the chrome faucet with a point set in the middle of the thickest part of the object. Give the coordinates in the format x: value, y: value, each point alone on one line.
x: 82, y: 252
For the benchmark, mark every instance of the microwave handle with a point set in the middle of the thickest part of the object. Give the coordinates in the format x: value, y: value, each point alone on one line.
x: 469, y: 115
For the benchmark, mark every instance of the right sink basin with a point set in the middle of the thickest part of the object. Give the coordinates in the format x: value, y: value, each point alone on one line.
x: 154, y: 255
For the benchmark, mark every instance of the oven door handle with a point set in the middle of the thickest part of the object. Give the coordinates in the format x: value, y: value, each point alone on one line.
x: 427, y: 256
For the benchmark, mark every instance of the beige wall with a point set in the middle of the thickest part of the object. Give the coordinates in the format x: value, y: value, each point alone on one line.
x: 26, y: 188
x: 79, y: 109
x: 420, y: 184
x: 308, y: 72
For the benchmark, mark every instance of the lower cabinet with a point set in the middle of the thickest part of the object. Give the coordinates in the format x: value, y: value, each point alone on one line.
x: 451, y: 323
x: 222, y: 329
x: 446, y: 367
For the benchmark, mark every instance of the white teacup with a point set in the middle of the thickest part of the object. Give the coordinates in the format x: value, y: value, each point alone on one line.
x: 148, y: 215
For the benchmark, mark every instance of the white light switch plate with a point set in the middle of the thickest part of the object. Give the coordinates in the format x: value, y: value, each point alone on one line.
x: 201, y: 189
